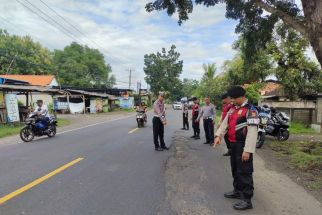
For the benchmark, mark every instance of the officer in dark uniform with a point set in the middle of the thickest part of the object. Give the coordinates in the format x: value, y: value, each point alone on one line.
x: 226, y: 105
x: 158, y: 122
x: 195, y: 114
x: 241, y: 125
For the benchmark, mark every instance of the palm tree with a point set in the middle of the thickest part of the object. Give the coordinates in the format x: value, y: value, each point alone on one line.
x: 210, y: 71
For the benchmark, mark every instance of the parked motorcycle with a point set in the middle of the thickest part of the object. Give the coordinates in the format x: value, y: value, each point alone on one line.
x: 272, y: 123
x: 38, y: 126
x: 278, y: 126
x: 263, y: 120
x: 141, y: 119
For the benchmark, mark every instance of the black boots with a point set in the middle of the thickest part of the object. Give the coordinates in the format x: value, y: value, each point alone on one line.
x: 232, y: 195
x: 243, y: 205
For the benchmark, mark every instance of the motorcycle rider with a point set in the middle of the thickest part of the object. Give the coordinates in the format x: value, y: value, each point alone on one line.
x: 142, y: 109
x: 42, y: 112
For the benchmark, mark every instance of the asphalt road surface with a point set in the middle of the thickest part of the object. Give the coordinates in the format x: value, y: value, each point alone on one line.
x: 108, y: 169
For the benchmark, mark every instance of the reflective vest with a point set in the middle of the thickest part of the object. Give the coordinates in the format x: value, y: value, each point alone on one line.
x: 195, y: 110
x: 238, y: 119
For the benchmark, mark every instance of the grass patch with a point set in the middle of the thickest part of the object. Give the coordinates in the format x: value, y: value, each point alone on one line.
x: 62, y: 122
x: 303, y: 155
x: 300, y: 128
x: 8, y: 130
x: 128, y: 110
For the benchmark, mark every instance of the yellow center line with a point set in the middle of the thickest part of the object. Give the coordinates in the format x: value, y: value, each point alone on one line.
x: 38, y: 181
x: 135, y: 129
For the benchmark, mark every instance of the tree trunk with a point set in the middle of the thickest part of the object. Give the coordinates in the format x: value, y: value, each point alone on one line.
x: 313, y: 17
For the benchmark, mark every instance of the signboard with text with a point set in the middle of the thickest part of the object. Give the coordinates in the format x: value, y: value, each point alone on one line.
x: 12, y: 108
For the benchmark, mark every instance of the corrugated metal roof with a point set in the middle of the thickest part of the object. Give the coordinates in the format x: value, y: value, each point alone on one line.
x: 103, y: 95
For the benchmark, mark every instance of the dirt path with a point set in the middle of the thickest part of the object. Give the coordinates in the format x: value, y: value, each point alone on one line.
x: 197, y: 175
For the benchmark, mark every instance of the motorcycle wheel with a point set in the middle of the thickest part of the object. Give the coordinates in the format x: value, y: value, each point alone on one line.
x: 51, y: 131
x: 139, y: 123
x: 260, y: 140
x: 26, y: 134
x: 283, y: 135
x: 142, y: 123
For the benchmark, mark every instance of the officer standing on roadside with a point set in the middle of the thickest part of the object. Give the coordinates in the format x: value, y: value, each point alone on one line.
x: 226, y: 105
x: 241, y: 125
x: 158, y: 122
x: 208, y: 113
x: 185, y: 115
x: 195, y: 123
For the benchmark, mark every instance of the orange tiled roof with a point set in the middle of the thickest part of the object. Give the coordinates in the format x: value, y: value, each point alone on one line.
x: 37, y: 80
x: 270, y: 88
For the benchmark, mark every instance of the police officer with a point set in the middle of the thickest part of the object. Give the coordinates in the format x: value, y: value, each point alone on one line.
x: 208, y: 113
x: 185, y: 115
x: 158, y: 122
x: 241, y: 125
x: 195, y: 114
x: 226, y: 105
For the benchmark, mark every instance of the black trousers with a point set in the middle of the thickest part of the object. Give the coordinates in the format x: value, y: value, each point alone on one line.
x: 195, y: 126
x: 158, y: 132
x: 185, y: 121
x: 242, y: 171
x: 208, y: 126
x: 227, y: 142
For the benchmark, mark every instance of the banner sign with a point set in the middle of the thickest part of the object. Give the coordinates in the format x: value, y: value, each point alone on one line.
x: 12, y: 108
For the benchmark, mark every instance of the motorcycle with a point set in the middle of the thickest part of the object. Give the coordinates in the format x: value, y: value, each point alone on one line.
x: 278, y: 126
x: 263, y: 120
x: 140, y: 119
x: 38, y: 126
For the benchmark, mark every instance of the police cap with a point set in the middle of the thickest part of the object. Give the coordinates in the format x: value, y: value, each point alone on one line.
x: 236, y: 92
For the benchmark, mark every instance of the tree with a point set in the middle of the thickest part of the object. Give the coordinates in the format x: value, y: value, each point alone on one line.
x: 23, y: 56
x: 82, y: 66
x: 255, y: 25
x: 299, y: 75
x: 162, y: 71
x: 189, y: 87
x: 255, y: 69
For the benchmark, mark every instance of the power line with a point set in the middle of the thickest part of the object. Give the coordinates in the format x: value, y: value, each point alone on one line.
x: 42, y: 18
x: 53, y: 20
x: 73, y: 26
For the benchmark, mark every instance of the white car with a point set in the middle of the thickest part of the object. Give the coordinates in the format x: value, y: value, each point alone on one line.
x: 177, y: 106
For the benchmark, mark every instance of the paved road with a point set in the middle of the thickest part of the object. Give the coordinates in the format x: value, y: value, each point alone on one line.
x: 120, y: 173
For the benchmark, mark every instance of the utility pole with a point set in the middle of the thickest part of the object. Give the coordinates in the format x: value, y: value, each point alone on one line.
x: 130, y: 79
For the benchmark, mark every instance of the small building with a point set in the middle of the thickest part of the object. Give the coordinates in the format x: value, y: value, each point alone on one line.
x: 11, y: 110
x: 307, y: 110
x: 33, y: 80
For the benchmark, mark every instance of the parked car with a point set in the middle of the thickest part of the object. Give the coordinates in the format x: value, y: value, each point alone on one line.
x: 177, y: 106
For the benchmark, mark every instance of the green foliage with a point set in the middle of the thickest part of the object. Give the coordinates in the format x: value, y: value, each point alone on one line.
x: 252, y: 92
x: 162, y: 71
x: 82, y: 66
x: 299, y: 75
x: 8, y: 130
x: 302, y: 154
x: 300, y: 128
x: 211, y: 85
x: 189, y: 87
x: 25, y: 56
x: 255, y: 26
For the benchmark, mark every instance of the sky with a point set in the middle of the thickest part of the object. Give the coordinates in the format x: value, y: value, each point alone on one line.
x: 124, y: 32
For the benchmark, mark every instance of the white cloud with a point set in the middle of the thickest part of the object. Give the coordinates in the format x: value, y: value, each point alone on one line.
x: 125, y: 32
